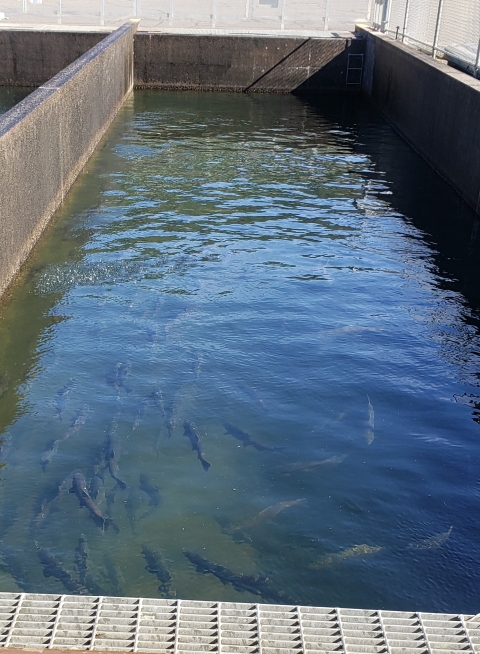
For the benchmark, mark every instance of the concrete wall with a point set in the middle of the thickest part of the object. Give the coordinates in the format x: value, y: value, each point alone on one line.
x: 195, y: 61
x: 245, y: 63
x: 47, y: 138
x: 31, y: 58
x: 434, y: 107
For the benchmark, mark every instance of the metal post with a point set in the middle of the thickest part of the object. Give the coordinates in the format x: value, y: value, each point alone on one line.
x: 387, y: 9
x: 24, y: 7
x: 59, y: 12
x: 477, y: 61
x: 405, y: 20
x: 247, y: 8
x: 325, y: 20
x: 214, y: 13
x: 437, y: 28
x: 282, y: 18
x: 369, y: 10
x: 170, y: 13
x: 102, y: 12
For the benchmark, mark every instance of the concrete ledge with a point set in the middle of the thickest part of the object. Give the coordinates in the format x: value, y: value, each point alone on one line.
x: 434, y: 107
x: 47, y: 138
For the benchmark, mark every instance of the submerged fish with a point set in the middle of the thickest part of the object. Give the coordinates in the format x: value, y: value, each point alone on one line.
x: 112, y: 452
x: 244, y: 438
x: 47, y: 456
x: 118, y: 377
x: 139, y: 417
x: 171, y: 417
x: 307, y: 466
x: 243, y: 583
x: 47, y: 503
x: 370, y: 433
x: 190, y: 431
x: 61, y: 399
x: 81, y: 560
x: 53, y: 568
x: 152, y: 491
x: 156, y: 566
x: 97, y: 488
x: 11, y: 563
x: 432, y: 542
x: 268, y: 514
x: 330, y: 560
x: 79, y: 488
x: 197, y: 365
x: 134, y: 504
x: 77, y: 422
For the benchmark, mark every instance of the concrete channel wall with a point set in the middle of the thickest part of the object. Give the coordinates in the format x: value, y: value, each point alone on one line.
x: 47, y: 138
x: 436, y: 108
x: 248, y: 63
x: 195, y: 60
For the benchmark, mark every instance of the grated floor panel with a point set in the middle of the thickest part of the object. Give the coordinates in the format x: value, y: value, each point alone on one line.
x: 67, y: 622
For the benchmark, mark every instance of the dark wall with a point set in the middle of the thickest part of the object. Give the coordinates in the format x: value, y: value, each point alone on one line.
x: 245, y: 63
x: 31, y: 58
x: 435, y: 107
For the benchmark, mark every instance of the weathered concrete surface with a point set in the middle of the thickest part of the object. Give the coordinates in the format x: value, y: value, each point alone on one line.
x: 434, y: 107
x: 244, y: 63
x: 31, y: 58
x: 47, y: 138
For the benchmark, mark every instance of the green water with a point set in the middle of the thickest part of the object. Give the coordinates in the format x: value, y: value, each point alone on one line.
x: 292, y: 270
x: 10, y: 96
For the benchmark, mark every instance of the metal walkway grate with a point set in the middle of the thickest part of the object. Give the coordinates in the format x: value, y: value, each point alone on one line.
x: 184, y: 627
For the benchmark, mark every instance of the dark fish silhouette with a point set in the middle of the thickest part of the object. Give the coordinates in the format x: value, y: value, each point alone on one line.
x: 81, y: 558
x: 97, y: 488
x: 156, y: 566
x: 243, y: 583
x: 244, y: 438
x: 52, y: 447
x: 190, y: 431
x: 152, y: 491
x: 171, y: 418
x: 118, y: 377
x: 61, y: 399
x: 79, y: 487
x: 112, y: 452
x: 53, y: 568
x: 139, y: 417
x: 10, y: 562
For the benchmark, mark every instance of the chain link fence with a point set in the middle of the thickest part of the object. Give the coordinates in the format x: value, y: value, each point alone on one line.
x: 318, y: 15
x: 446, y: 28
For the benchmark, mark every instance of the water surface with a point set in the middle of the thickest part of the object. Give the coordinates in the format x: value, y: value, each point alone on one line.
x: 268, y: 269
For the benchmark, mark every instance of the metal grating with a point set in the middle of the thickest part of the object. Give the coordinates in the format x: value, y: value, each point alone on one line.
x: 184, y: 627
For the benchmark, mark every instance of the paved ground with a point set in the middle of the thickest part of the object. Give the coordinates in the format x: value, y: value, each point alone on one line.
x: 243, y: 15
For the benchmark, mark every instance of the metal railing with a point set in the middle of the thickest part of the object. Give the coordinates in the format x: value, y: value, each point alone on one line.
x: 442, y: 28
x: 323, y: 15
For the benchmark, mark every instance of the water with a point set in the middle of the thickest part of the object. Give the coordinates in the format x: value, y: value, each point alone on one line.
x: 10, y: 96
x: 288, y: 269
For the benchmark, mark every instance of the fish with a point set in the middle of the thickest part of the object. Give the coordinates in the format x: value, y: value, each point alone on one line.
x: 47, y: 456
x: 255, y: 584
x: 80, y: 559
x: 53, y: 568
x: 112, y: 452
x: 133, y: 506
x: 114, y: 576
x: 118, y: 377
x: 370, y: 433
x: 79, y: 488
x: 62, y: 397
x: 330, y: 560
x: 152, y: 491
x: 156, y: 565
x: 96, y: 488
x: 139, y: 417
x: 171, y: 418
x: 252, y: 394
x: 268, y: 514
x: 244, y: 438
x: 190, y: 431
x: 433, y: 542
x: 307, y: 466
x: 77, y: 422
x: 47, y: 503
